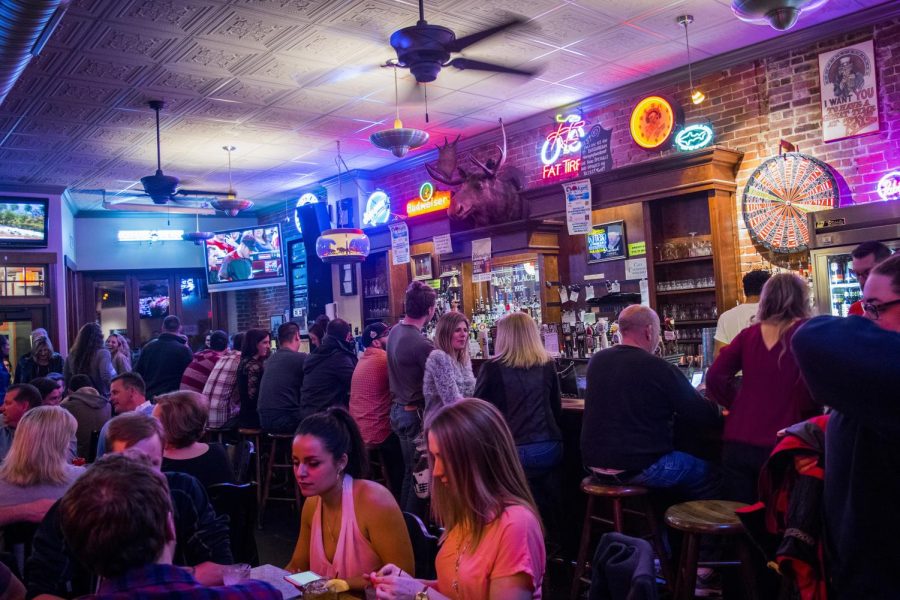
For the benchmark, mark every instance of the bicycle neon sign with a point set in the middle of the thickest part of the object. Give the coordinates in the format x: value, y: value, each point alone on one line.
x: 565, y: 140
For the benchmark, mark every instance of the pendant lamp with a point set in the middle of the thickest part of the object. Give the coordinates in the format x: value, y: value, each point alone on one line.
x: 230, y: 205
x: 400, y: 139
x: 343, y: 245
x: 697, y: 95
x: 197, y: 236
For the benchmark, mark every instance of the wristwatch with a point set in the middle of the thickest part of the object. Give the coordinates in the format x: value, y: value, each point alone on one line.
x: 423, y: 595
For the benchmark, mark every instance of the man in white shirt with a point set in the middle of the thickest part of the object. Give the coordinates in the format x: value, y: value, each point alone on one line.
x: 127, y: 393
x: 735, y: 320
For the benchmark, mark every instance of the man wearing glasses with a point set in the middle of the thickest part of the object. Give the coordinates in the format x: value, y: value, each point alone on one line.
x: 853, y: 365
x: 865, y: 257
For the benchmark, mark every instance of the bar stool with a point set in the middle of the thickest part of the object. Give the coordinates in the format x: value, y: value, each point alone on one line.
x: 616, y: 494
x: 709, y: 517
x: 254, y: 436
x: 377, y: 467
x: 217, y: 434
x: 280, y: 449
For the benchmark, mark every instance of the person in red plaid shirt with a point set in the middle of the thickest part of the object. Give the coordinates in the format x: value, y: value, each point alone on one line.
x: 221, y: 388
x: 134, y: 555
x: 197, y: 372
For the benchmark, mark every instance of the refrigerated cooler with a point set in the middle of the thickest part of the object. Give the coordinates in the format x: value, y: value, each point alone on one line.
x: 833, y: 235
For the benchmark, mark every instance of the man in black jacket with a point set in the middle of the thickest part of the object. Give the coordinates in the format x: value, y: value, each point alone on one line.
x: 202, y: 538
x: 163, y: 361
x: 279, y: 391
x: 327, y: 371
x: 632, y: 400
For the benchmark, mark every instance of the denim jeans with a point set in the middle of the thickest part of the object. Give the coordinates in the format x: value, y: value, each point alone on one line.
x: 541, y: 461
x: 539, y: 457
x: 407, y: 424
x: 686, y: 475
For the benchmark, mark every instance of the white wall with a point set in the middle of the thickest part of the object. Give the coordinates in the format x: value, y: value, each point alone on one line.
x: 99, y: 248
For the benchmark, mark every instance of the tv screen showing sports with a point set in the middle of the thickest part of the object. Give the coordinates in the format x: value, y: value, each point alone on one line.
x: 23, y: 222
x: 245, y: 258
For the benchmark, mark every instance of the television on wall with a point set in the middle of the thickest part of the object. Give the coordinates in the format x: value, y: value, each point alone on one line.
x: 23, y: 222
x: 250, y: 257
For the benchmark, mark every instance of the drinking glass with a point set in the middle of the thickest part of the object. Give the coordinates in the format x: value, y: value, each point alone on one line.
x: 232, y: 574
x: 694, y: 247
x: 318, y: 590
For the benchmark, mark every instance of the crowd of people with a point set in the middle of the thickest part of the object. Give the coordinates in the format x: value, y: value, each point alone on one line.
x: 477, y: 456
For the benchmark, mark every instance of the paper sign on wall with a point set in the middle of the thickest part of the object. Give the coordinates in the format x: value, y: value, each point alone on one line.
x: 636, y: 268
x: 442, y: 244
x: 578, y: 206
x: 645, y: 292
x: 399, y: 243
x: 637, y: 248
x: 481, y: 260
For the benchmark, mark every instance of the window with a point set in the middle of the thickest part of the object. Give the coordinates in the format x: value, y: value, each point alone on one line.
x: 19, y: 280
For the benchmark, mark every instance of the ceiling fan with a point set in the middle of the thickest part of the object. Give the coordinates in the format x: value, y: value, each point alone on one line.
x: 162, y: 188
x: 425, y: 49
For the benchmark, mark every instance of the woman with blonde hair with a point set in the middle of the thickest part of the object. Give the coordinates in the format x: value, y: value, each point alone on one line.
x: 493, y: 546
x: 448, y: 370
x: 772, y: 394
x: 120, y: 352
x: 40, y: 362
x: 521, y: 382
x: 37, y: 464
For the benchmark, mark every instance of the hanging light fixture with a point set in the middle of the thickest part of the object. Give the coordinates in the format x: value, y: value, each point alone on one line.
x: 197, y: 236
x: 697, y: 95
x: 230, y: 205
x: 780, y: 14
x: 346, y: 244
x: 400, y: 139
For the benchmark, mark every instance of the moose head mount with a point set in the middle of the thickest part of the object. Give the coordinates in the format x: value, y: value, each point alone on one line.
x: 481, y: 197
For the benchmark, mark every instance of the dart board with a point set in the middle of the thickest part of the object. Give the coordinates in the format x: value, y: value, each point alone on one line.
x: 778, y: 195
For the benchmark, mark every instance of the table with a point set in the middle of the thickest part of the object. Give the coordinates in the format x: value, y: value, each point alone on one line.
x: 275, y: 576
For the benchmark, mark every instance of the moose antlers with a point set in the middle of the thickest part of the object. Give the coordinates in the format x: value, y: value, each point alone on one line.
x: 447, y: 162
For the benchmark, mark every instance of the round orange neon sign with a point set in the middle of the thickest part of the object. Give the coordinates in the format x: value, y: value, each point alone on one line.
x: 653, y: 122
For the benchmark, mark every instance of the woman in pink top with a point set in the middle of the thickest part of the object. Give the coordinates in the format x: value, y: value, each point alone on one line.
x: 349, y: 526
x: 494, y: 545
x: 772, y: 394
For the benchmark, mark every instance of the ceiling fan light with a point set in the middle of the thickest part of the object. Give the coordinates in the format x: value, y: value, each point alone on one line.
x: 697, y: 96
x: 783, y: 18
x: 399, y: 141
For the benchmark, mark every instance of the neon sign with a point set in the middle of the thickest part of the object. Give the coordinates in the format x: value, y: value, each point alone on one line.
x: 307, y: 198
x: 430, y: 200
x: 694, y: 137
x: 889, y: 186
x: 565, y: 140
x: 378, y: 209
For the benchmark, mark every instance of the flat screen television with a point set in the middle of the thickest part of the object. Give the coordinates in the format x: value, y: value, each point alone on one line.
x: 250, y: 257
x: 23, y: 222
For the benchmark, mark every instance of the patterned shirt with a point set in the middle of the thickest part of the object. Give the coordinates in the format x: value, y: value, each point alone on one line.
x: 197, y: 372
x: 370, y: 396
x: 152, y: 582
x: 221, y: 389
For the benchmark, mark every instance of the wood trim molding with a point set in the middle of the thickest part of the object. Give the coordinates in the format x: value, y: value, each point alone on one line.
x: 29, y: 258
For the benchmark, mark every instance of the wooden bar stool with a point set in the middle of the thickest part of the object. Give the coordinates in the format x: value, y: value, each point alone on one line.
x: 709, y: 517
x: 616, y: 494
x: 254, y: 436
x: 280, y: 449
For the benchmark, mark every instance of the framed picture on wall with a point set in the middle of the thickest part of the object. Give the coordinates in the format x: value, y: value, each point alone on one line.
x: 348, y: 280
x: 849, y: 91
x: 606, y: 241
x: 275, y: 322
x: 421, y: 267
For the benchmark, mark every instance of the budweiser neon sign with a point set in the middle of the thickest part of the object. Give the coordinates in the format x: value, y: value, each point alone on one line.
x: 889, y: 186
x: 430, y: 200
x: 560, y: 144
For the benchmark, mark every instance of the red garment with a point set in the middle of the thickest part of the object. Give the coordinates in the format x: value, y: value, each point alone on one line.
x: 370, y: 396
x: 857, y: 309
x: 772, y: 393
x: 198, y: 370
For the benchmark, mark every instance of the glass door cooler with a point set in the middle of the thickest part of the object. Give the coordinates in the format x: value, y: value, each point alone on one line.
x: 833, y: 236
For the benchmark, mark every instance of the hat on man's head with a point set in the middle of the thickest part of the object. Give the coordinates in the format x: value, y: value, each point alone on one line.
x: 373, y: 332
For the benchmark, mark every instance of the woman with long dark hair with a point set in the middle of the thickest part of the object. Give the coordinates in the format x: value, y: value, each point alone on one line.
x: 493, y: 546
x: 254, y: 352
x: 88, y: 356
x: 772, y: 394
x: 350, y: 526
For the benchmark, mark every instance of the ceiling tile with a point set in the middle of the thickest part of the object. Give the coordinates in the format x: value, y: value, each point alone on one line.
x: 249, y: 28
x: 328, y: 46
x: 612, y: 44
x: 570, y: 23
x: 378, y: 17
x: 133, y: 41
x: 166, y: 15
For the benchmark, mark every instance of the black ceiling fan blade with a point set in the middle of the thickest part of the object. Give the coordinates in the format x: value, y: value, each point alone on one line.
x: 468, y: 63
x: 460, y: 44
x: 202, y: 193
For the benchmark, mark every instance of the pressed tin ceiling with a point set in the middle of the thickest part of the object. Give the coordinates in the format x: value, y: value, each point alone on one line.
x: 280, y: 80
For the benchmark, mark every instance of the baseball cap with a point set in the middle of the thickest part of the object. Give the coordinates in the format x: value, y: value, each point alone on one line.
x: 373, y: 332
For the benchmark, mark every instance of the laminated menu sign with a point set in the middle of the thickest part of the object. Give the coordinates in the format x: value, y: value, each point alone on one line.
x: 596, y: 154
x: 481, y: 260
x: 400, y: 243
x: 578, y: 206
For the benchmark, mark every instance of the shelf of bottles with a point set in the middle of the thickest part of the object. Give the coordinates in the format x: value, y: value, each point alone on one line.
x: 843, y: 287
x: 299, y: 284
x: 684, y: 270
x: 513, y: 288
x: 376, y: 288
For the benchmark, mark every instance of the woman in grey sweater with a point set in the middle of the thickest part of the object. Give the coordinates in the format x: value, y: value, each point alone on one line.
x: 448, y: 370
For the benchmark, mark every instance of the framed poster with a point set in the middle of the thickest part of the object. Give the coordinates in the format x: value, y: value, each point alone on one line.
x: 606, y: 241
x: 849, y: 91
x: 421, y: 267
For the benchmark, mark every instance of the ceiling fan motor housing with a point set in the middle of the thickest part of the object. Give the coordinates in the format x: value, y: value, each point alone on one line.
x: 422, y: 49
x: 160, y: 187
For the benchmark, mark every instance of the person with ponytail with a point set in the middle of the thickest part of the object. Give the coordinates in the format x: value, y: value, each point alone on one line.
x: 350, y: 526
x: 772, y: 394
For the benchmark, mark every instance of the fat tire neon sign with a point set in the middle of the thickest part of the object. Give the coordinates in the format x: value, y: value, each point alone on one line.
x: 565, y: 140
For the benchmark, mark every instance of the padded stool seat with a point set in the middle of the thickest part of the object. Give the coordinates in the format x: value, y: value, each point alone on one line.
x: 637, y: 496
x: 709, y: 517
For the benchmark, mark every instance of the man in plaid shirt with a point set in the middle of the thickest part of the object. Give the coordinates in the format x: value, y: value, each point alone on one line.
x: 221, y: 388
x: 198, y: 371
